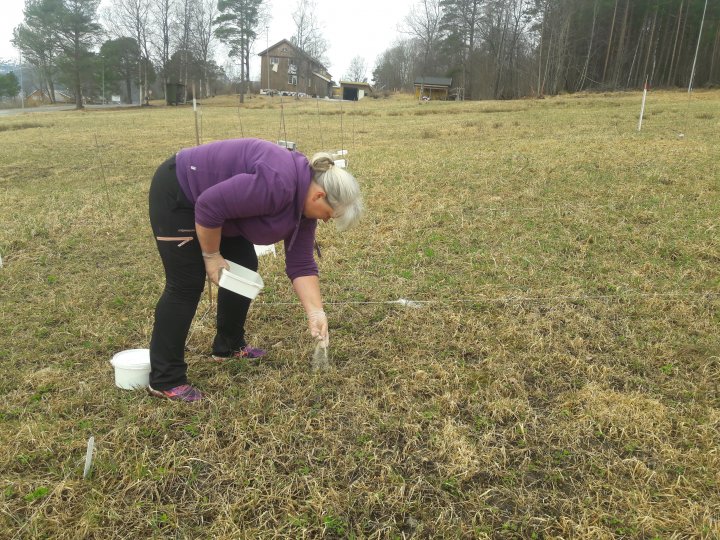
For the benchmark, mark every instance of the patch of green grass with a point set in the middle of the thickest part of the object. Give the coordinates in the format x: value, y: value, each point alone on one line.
x: 335, y: 525
x: 36, y: 494
x: 667, y: 369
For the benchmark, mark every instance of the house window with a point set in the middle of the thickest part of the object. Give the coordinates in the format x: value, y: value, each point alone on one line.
x: 274, y: 60
x: 284, y: 49
x: 292, y: 68
x: 292, y: 79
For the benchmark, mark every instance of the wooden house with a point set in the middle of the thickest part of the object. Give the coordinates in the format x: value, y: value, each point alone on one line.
x: 285, y: 68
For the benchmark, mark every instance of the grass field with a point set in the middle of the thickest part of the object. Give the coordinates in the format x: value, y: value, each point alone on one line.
x: 559, y: 379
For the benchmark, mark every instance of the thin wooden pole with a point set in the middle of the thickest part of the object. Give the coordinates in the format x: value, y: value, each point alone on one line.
x: 195, y: 111
x: 102, y: 168
x: 342, y: 133
x: 642, y: 107
x: 692, y: 73
x: 322, y: 142
x: 197, y: 143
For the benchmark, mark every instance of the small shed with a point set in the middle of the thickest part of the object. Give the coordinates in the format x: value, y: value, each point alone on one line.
x: 433, y: 88
x: 354, y: 91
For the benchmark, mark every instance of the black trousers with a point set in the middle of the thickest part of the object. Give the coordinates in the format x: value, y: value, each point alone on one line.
x: 172, y: 217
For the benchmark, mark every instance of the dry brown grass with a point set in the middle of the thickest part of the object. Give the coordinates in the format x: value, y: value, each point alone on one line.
x: 559, y: 381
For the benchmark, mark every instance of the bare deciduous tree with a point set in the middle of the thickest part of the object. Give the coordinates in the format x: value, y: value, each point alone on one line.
x: 395, y: 67
x: 131, y: 18
x: 183, y: 23
x: 423, y: 24
x: 357, y: 71
x: 203, y: 34
x: 162, y: 15
x: 308, y: 30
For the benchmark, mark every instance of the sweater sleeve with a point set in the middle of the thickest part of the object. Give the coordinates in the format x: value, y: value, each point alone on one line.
x: 299, y: 259
x: 240, y: 196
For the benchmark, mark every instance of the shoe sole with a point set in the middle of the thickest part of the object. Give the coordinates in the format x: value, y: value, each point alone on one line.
x: 158, y: 394
x: 221, y: 359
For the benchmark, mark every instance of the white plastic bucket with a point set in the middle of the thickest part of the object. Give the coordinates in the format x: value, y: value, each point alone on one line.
x: 241, y: 280
x: 132, y: 368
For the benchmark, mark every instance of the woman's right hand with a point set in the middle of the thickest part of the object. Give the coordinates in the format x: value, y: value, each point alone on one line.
x: 214, y: 262
x: 318, y: 325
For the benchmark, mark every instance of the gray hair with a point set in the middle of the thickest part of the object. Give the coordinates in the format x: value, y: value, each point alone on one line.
x: 341, y: 188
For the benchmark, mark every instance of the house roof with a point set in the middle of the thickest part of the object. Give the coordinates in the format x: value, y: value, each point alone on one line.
x: 321, y: 77
x: 58, y: 93
x: 295, y: 48
x: 263, y: 53
x: 354, y: 83
x: 434, y: 81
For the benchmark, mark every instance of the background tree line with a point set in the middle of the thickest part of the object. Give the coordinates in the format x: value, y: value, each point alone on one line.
x: 504, y: 49
x: 134, y: 45
x: 137, y: 45
x: 491, y: 48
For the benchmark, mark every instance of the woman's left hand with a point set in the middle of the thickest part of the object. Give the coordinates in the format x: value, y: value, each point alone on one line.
x: 214, y: 262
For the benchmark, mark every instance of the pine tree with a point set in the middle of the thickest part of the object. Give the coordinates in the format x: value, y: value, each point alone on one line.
x: 77, y: 30
x: 237, y: 22
x: 9, y: 85
x: 36, y: 39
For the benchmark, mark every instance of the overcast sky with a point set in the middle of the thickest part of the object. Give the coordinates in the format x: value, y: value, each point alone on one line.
x: 365, y: 28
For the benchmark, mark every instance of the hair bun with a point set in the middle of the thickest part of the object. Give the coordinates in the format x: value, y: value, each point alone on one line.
x: 321, y: 162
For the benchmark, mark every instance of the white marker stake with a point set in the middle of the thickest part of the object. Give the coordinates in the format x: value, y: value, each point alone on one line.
x: 407, y: 303
x: 89, y: 456
x: 642, y: 108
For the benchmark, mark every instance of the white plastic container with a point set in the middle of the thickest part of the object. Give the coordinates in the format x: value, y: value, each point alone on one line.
x: 132, y: 368
x: 290, y: 145
x: 241, y: 280
x: 341, y: 163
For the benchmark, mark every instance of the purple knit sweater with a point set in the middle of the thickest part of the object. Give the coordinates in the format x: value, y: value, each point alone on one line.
x: 255, y: 189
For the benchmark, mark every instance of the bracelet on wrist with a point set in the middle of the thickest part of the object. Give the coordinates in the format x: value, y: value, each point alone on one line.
x: 210, y: 255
